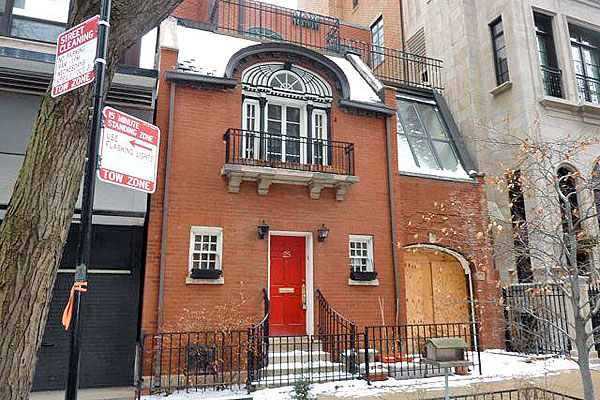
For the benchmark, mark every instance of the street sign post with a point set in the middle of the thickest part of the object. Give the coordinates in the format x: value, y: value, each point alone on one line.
x: 128, y: 151
x: 102, y: 25
x: 75, y: 57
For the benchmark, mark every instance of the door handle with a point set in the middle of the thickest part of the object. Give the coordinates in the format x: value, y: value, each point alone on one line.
x: 303, y: 296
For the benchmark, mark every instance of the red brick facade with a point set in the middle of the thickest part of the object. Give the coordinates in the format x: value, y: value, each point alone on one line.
x: 198, y: 196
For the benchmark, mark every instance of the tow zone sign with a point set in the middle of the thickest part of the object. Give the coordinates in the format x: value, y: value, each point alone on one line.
x: 128, y: 151
x: 75, y: 57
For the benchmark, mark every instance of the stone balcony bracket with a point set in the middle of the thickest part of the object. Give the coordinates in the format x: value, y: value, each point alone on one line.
x: 265, y: 176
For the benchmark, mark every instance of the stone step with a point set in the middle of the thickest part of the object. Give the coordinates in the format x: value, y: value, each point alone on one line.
x: 286, y: 380
x: 285, y: 344
x: 298, y: 356
x: 301, y: 368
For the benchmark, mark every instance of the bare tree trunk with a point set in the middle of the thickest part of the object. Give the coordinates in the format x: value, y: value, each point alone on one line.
x: 583, y: 360
x: 40, y: 211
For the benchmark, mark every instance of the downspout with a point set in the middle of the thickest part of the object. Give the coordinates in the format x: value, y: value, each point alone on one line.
x: 392, y: 220
x: 402, y: 41
x: 163, y: 237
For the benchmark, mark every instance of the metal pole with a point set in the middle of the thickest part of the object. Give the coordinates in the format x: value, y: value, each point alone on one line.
x: 87, y: 204
x: 446, y: 372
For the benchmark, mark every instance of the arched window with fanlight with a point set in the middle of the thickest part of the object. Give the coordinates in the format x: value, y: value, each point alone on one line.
x: 286, y: 116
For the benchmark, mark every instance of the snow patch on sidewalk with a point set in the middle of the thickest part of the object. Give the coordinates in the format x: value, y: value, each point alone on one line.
x: 496, y: 366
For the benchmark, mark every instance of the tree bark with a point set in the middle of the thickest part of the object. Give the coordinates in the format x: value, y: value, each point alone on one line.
x: 34, y: 231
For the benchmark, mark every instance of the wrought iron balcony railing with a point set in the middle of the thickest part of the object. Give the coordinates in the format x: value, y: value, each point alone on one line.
x: 552, y: 80
x: 266, y: 22
x: 588, y: 89
x: 263, y: 149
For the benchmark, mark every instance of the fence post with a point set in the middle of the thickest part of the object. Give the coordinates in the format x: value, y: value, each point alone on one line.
x: 140, y: 366
x: 250, y: 352
x: 367, y: 371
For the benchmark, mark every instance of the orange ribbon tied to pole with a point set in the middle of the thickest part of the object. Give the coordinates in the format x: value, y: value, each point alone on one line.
x: 80, y: 286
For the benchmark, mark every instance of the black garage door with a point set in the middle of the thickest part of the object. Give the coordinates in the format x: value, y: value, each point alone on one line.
x: 110, y: 313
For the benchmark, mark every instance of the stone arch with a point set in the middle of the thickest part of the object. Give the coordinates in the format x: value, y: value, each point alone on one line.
x: 428, y: 288
x: 292, y: 52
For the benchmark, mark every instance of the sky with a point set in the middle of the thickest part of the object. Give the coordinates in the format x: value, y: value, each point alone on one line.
x: 149, y: 40
x: 283, y: 3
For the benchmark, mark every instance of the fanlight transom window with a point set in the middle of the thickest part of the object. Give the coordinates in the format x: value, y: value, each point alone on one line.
x: 287, y: 81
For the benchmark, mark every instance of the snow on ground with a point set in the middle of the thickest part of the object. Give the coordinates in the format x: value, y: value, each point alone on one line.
x: 496, y: 366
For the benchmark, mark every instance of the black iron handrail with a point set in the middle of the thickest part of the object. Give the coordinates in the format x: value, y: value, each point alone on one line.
x: 290, y: 152
x: 258, y: 344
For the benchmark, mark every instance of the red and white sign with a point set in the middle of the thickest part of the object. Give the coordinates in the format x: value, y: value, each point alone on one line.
x: 75, y: 57
x: 128, y: 151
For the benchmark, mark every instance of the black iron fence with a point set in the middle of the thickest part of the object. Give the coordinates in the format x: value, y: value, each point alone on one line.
x: 594, y: 297
x: 250, y: 359
x: 588, y: 88
x: 396, y: 351
x: 290, y: 152
x: 396, y: 66
x: 266, y: 22
x: 536, y: 318
x: 172, y: 361
x: 552, y: 80
x: 514, y: 394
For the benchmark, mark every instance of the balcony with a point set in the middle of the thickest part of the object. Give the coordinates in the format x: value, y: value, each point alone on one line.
x: 588, y: 89
x: 265, y: 22
x: 552, y: 80
x: 267, y: 158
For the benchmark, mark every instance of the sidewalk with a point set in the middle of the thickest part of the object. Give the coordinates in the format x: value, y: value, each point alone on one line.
x: 567, y: 382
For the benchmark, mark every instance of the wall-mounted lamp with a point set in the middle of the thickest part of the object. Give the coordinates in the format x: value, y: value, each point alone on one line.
x: 262, y: 230
x: 323, y: 232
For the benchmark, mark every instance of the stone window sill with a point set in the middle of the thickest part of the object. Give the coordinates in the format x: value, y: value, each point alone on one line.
x: 352, y: 282
x: 501, y: 88
x: 192, y: 281
x: 575, y: 107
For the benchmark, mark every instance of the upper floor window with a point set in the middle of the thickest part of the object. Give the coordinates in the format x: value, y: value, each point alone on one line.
x: 499, y: 47
x: 286, y: 119
x: 551, y: 75
x: 41, y: 20
x: 424, y: 145
x: 585, y: 49
x: 377, y: 41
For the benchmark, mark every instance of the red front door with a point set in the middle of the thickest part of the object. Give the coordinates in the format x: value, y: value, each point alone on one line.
x: 288, y: 314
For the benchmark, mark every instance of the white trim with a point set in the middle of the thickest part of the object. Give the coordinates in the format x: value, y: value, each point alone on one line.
x: 99, y: 271
x: 324, y: 134
x: 364, y: 238
x: 192, y: 281
x: 257, y: 118
x: 310, y: 309
x: 206, y: 230
x: 284, y: 104
x: 352, y: 282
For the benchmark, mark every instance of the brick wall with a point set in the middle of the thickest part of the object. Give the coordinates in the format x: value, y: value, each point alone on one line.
x: 198, y: 196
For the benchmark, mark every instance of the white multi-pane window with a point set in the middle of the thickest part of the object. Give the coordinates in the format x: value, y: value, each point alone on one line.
x: 206, y: 248
x: 319, y: 129
x: 361, y: 253
x: 251, y: 127
x: 377, y: 41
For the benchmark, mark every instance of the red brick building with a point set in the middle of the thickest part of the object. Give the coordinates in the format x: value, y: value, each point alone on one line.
x: 287, y: 165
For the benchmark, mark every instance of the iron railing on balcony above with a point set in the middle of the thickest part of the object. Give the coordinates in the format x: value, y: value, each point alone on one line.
x: 262, y: 21
x: 264, y: 149
x: 396, y: 66
x: 552, y: 79
x: 588, y: 88
x: 265, y: 22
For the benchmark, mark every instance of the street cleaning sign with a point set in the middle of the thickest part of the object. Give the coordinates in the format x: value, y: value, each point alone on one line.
x: 128, y: 151
x: 75, y: 57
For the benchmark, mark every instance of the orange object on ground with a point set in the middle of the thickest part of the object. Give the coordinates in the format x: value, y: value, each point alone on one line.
x: 80, y: 286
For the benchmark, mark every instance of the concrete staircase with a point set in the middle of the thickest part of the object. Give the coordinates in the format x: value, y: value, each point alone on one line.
x: 291, y: 358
